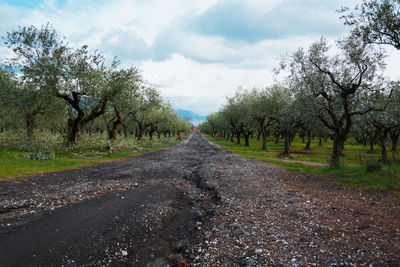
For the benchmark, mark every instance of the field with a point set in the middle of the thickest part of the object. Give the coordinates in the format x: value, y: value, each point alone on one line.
x: 47, y: 153
x: 359, y: 167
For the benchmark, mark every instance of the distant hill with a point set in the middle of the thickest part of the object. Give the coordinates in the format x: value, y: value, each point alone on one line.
x: 193, y: 117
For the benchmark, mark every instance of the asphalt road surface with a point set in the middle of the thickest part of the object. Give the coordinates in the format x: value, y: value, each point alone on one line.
x: 193, y: 204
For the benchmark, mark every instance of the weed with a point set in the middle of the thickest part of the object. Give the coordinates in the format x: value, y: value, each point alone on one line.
x: 373, y: 165
x: 357, y: 167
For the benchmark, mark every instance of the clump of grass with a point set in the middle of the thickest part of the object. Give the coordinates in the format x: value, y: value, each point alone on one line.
x: 373, y: 165
x: 50, y: 152
x: 357, y: 167
x: 42, y: 154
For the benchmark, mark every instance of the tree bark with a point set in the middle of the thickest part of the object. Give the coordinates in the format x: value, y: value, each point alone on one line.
x: 308, y: 143
x: 287, y: 144
x: 264, y: 141
x: 371, y: 145
x: 383, y: 147
x: 395, y: 138
x: 76, y: 123
x: 383, y: 133
x: 140, y: 133
x: 337, y: 151
x: 364, y: 141
x: 246, y: 139
x: 238, y: 138
x: 30, y: 125
x: 125, y: 128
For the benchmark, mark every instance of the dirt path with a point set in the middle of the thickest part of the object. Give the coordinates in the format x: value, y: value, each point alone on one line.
x: 193, y: 204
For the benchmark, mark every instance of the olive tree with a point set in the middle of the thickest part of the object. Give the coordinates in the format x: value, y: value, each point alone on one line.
x: 265, y: 108
x: 125, y: 104
x: 387, y: 120
x: 339, y: 84
x: 76, y: 76
x: 375, y: 21
x: 147, y: 109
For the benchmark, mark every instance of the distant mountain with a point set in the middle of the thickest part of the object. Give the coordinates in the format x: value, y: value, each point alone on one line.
x: 191, y: 116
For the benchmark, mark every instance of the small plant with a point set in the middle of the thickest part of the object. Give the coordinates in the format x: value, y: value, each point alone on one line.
x: 373, y: 165
x: 43, y: 154
x: 89, y: 155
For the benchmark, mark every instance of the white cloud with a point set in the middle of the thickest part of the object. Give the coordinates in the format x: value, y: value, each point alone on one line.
x: 201, y: 66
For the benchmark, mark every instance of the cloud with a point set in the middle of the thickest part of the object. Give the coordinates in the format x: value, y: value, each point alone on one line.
x: 260, y: 20
x: 10, y: 17
x: 125, y: 45
x: 202, y: 50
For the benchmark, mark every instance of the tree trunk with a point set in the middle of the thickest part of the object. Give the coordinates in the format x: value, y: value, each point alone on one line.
x: 308, y: 143
x: 320, y: 141
x: 140, y: 131
x: 395, y: 139
x: 112, y: 134
x: 232, y: 137
x: 246, y: 139
x: 337, y: 151
x: 287, y: 144
x: 140, y: 135
x: 77, y: 123
x: 383, y: 137
x: 238, y: 138
x: 264, y: 141
x: 125, y: 130
x: 73, y: 133
x: 277, y: 139
x: 371, y: 144
x: 30, y: 125
x: 159, y: 135
x: 258, y: 135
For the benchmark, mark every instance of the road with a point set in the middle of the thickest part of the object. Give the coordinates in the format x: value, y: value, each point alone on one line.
x: 193, y: 204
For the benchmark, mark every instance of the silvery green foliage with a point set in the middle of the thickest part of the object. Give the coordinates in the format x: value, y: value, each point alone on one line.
x: 375, y: 21
x: 339, y: 86
x: 43, y: 154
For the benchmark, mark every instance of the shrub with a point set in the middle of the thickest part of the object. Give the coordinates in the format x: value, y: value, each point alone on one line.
x: 43, y: 154
x: 373, y: 165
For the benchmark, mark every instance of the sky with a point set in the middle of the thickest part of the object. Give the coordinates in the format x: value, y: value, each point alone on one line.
x: 196, y: 52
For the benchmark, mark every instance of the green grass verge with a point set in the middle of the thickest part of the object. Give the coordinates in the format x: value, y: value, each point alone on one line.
x: 14, y: 164
x: 352, y: 171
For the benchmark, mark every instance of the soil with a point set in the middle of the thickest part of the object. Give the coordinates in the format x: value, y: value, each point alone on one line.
x: 310, y: 163
x: 194, y: 204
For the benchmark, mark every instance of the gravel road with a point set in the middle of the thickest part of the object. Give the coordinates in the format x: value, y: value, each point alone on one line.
x: 194, y: 204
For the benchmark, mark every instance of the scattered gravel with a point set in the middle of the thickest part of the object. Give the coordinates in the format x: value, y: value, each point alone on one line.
x: 270, y: 216
x: 195, y: 204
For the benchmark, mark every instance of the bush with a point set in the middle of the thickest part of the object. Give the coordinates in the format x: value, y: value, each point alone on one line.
x: 43, y: 154
x: 373, y: 165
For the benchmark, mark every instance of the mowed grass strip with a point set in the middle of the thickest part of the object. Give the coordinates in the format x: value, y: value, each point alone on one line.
x: 14, y: 164
x: 354, y: 169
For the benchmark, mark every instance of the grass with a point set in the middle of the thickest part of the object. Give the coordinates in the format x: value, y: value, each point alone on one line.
x: 13, y: 151
x: 353, y: 169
